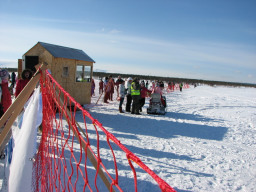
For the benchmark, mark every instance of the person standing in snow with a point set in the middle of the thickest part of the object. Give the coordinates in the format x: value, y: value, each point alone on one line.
x: 13, y: 78
x: 100, y: 86
x: 147, y: 84
x: 109, y: 90
x: 106, y: 90
x: 135, y: 93
x: 92, y: 87
x: 121, y: 95
x: 128, y: 96
x: 21, y: 83
x: 112, y: 87
x: 105, y: 82
x: 181, y: 85
x: 143, y: 94
x: 5, y: 101
x: 118, y: 82
x: 153, y: 85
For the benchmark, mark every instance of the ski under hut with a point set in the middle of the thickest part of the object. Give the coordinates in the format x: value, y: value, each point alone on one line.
x: 71, y: 68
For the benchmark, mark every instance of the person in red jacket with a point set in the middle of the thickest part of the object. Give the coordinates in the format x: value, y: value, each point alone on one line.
x: 112, y: 88
x: 109, y: 90
x: 5, y: 99
x: 143, y: 94
x: 100, y: 86
x: 21, y: 83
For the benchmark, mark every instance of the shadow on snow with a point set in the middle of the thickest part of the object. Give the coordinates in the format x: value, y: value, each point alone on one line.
x: 160, y: 128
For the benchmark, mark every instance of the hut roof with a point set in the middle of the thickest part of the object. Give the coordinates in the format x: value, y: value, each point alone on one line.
x: 66, y: 52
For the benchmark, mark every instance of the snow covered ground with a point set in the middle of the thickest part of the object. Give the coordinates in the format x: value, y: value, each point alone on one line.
x: 205, y: 142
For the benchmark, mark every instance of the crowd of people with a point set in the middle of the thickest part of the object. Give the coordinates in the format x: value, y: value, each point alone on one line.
x: 134, y: 90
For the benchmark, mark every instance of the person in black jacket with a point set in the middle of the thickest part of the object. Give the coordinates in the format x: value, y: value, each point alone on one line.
x: 128, y: 96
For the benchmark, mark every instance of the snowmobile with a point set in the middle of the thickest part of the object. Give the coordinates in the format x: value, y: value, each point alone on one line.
x: 157, y: 104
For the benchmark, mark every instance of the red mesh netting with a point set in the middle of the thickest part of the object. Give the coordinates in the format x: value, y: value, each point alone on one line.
x: 72, y: 142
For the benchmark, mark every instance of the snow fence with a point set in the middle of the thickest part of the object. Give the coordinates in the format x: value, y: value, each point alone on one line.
x: 69, y: 153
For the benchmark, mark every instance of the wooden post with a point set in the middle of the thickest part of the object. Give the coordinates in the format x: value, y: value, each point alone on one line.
x: 19, y: 68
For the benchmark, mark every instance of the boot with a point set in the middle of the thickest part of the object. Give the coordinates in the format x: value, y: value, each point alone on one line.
x: 132, y: 110
x: 128, y: 110
x: 137, y: 112
x: 120, y: 110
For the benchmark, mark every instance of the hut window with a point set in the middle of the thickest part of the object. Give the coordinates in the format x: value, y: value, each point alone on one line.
x: 87, y: 73
x: 83, y: 73
x: 65, y: 72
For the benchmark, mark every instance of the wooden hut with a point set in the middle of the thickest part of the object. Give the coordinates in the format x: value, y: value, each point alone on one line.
x: 71, y: 68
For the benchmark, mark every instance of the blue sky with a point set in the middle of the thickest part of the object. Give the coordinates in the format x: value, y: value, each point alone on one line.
x: 201, y: 39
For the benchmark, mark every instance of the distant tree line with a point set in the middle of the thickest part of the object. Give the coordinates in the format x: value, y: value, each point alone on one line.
x: 166, y: 79
x: 12, y: 69
x: 173, y: 79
